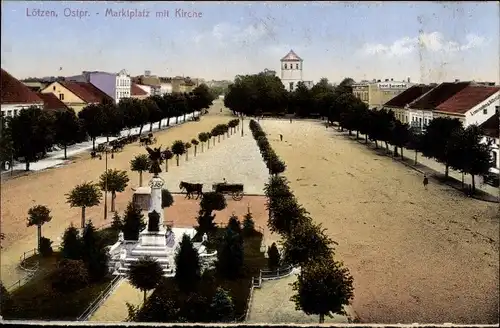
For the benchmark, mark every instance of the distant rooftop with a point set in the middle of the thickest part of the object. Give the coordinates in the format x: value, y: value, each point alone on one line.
x: 291, y: 56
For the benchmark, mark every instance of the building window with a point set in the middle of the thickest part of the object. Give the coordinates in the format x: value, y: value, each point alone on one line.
x: 286, y: 66
x: 15, y: 112
x: 485, y: 111
x: 291, y: 86
x: 297, y: 66
x: 9, y: 113
x: 61, y: 96
x: 497, y: 109
x: 494, y: 158
x: 54, y: 88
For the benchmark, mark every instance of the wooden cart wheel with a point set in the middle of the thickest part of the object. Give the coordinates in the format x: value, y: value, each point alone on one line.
x: 237, y: 195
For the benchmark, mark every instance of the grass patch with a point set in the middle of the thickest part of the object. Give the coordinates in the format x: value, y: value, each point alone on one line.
x: 38, y: 300
x: 239, y: 288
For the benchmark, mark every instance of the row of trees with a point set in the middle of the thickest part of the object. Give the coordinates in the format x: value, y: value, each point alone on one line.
x: 273, y: 163
x: 32, y: 133
x: 141, y: 162
x: 324, y: 285
x: 444, y: 139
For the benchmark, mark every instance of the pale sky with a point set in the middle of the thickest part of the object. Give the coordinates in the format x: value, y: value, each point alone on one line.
x: 426, y: 41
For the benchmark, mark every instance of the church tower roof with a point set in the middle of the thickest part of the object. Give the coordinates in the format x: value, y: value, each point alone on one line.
x: 291, y: 56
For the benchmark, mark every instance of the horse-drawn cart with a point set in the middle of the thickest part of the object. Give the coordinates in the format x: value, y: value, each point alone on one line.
x: 235, y: 190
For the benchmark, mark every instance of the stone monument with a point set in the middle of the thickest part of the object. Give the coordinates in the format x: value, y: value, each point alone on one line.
x: 153, y: 238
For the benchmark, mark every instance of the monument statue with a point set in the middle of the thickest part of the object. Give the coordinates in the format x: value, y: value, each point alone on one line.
x: 154, y: 221
x: 121, y: 237
x: 155, y: 156
x: 204, y: 238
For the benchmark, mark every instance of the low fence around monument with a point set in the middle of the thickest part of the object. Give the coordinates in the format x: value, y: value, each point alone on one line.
x: 31, y: 271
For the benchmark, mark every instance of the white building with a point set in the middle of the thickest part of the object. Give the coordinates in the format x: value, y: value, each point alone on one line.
x: 475, y: 104
x: 123, y: 85
x: 16, y: 96
x: 292, y: 71
x: 166, y: 88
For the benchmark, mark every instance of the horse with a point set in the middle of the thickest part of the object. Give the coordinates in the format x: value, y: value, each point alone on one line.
x: 191, y: 188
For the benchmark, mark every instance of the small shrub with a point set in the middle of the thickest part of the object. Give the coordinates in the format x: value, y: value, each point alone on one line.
x: 248, y: 225
x: 46, y: 247
x: 69, y: 276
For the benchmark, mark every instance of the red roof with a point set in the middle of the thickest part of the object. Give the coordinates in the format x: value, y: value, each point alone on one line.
x: 409, y: 95
x: 14, y: 91
x: 85, y: 91
x: 135, y: 90
x: 439, y: 95
x: 291, y: 56
x: 466, y: 99
x: 51, y: 102
x: 491, y: 126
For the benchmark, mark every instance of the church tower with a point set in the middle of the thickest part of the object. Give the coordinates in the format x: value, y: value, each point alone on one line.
x: 291, y: 70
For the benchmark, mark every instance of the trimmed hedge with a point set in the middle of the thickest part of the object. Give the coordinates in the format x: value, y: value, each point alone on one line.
x: 273, y: 162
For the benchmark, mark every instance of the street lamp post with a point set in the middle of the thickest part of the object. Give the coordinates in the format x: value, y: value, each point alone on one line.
x: 106, y: 184
x: 242, y: 124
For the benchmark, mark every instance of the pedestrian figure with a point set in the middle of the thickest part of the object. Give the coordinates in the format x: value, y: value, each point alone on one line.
x: 281, y: 137
x: 290, y: 120
x: 426, y: 181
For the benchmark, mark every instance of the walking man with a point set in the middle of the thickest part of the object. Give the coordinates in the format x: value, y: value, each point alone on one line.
x: 426, y: 181
x: 290, y: 120
x: 281, y: 137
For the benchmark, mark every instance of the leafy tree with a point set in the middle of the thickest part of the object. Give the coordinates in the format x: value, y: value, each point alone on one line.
x: 230, y: 255
x: 166, y: 198
x: 234, y: 224
x: 71, y: 246
x: 84, y: 195
x: 38, y: 215
x: 111, y: 119
x: 400, y: 137
x: 117, y: 223
x: 286, y: 213
x: 306, y: 242
x: 168, y: 156
x: 46, y: 247
x: 187, y: 265
x: 436, y: 141
x: 146, y: 274
x: 212, y: 201
x: 195, y: 308
x: 134, y: 112
x: 216, y: 132
x: 222, y: 306
x: 154, y: 113
x: 195, y: 143
x: 414, y: 142
x: 187, y: 145
x: 133, y: 222
x: 32, y: 134
x: 90, y: 117
x: 6, y: 142
x: 203, y: 136
x: 93, y: 254
x: 69, y: 276
x: 248, y: 225
x: 114, y: 181
x: 274, y: 257
x: 140, y: 164
x: 469, y: 155
x: 6, y: 301
x: 323, y: 288
x: 178, y: 148
x: 67, y: 128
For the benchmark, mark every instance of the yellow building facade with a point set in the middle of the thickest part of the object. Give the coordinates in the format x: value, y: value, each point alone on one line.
x: 69, y: 98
